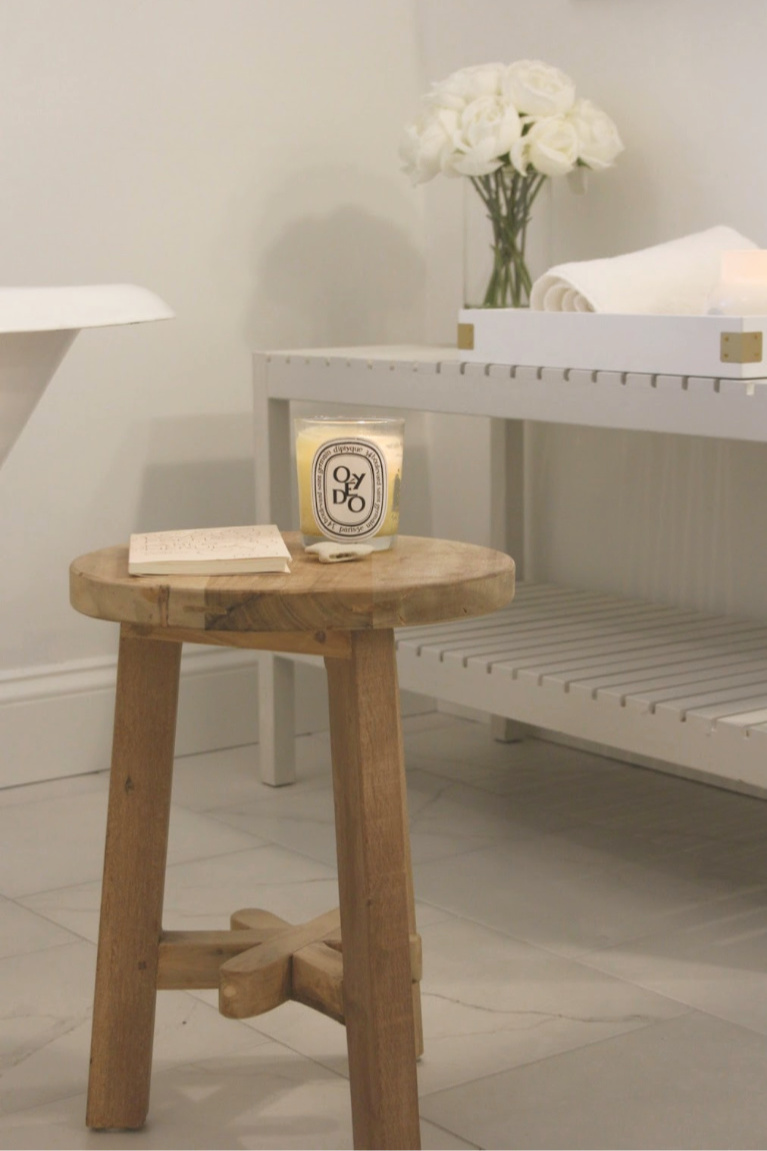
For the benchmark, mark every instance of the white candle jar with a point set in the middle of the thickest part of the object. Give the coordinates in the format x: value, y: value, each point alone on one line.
x: 349, y: 479
x: 742, y: 286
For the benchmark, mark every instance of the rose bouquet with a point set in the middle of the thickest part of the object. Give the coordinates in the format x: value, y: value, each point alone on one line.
x: 508, y: 128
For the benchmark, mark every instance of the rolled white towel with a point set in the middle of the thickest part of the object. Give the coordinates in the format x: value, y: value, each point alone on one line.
x: 675, y: 278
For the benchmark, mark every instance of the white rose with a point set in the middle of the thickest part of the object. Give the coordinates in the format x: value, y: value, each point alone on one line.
x: 485, y: 131
x: 551, y: 147
x: 427, y: 143
x: 537, y: 88
x: 466, y: 85
x: 598, y: 139
x: 519, y: 154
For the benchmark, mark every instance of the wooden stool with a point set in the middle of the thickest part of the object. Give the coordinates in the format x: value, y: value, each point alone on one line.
x: 365, y: 974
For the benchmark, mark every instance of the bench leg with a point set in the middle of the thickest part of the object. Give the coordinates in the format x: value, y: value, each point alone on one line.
x: 375, y: 888
x: 134, y: 877
x: 277, y: 719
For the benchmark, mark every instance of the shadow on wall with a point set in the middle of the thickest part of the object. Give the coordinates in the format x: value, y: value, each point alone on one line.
x: 197, y: 471
x: 342, y: 270
x: 628, y: 207
x: 188, y: 481
x: 197, y: 494
x: 338, y: 274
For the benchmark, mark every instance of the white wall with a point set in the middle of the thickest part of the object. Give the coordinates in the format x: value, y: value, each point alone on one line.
x: 686, y: 83
x: 239, y: 158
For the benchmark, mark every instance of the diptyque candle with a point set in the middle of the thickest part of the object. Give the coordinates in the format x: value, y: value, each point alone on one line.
x: 349, y: 479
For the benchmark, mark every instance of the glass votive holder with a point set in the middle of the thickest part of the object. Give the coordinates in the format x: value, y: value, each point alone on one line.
x: 742, y: 286
x: 349, y: 479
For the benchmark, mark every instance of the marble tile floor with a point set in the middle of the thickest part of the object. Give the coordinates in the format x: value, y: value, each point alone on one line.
x: 595, y: 943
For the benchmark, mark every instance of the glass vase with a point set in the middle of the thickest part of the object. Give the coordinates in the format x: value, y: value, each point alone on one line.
x: 497, y: 215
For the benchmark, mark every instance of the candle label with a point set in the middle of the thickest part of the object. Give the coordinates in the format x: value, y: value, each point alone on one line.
x: 349, y: 488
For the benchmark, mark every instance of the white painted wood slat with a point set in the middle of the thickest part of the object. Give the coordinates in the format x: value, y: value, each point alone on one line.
x: 645, y: 671
x: 658, y: 640
x: 645, y: 694
x: 653, y: 678
x: 539, y: 630
x: 615, y: 666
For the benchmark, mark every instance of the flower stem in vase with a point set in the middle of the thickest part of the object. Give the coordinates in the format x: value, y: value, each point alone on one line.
x: 508, y: 197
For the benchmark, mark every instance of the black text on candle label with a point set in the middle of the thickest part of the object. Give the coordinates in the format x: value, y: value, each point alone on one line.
x: 349, y: 488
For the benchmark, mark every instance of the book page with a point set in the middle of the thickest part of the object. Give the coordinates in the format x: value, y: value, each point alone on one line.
x: 194, y: 545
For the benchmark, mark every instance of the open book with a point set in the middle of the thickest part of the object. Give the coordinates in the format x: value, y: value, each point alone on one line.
x: 209, y: 551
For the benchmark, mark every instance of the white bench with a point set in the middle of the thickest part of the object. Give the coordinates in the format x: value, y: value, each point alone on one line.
x: 647, y: 681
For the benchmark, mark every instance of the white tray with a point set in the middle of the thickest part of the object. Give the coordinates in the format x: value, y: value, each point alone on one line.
x: 729, y: 347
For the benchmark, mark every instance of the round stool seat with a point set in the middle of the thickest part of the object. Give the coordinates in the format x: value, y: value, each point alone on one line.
x: 419, y: 581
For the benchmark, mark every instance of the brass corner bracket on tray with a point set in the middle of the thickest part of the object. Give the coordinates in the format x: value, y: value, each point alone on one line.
x: 466, y: 337
x: 740, y: 347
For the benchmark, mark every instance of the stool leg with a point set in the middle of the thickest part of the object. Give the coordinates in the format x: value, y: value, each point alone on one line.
x: 134, y: 876
x: 375, y: 892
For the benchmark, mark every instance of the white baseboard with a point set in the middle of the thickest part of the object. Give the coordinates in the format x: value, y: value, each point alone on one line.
x: 57, y: 720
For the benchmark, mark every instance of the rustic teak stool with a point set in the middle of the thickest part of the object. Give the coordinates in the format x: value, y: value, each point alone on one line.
x: 360, y: 967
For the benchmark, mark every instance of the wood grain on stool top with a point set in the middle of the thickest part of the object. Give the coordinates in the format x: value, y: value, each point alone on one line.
x: 418, y: 581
